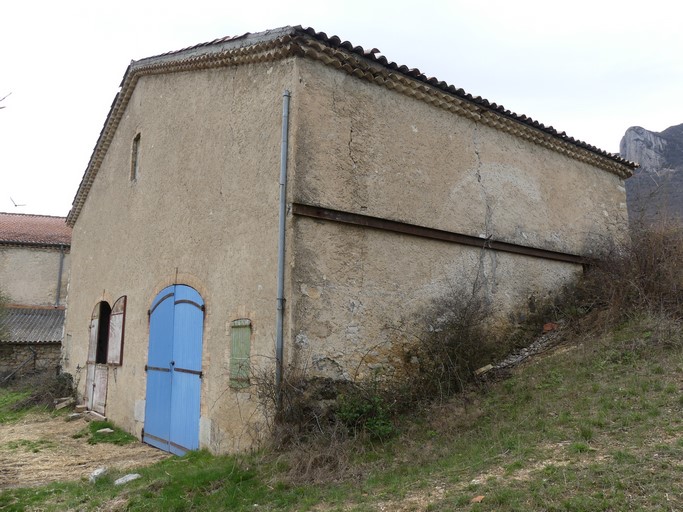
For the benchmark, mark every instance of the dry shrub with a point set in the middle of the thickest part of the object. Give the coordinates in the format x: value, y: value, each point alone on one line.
x: 644, y: 275
x: 665, y: 331
x: 302, y: 409
x: 450, y: 417
x: 324, y: 458
x: 457, y: 342
x: 646, y: 333
x: 45, y: 387
x: 305, y: 432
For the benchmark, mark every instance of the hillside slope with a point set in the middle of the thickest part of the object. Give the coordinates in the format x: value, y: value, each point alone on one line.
x: 592, y: 423
x: 596, y: 424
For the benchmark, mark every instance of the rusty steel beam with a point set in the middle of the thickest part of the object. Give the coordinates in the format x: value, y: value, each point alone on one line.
x: 356, y: 219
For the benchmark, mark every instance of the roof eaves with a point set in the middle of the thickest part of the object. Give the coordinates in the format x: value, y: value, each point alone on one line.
x: 414, y: 73
x: 36, y: 245
x: 216, y: 46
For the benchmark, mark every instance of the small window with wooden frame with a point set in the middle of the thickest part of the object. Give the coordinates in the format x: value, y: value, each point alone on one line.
x: 240, y: 352
x: 135, y: 159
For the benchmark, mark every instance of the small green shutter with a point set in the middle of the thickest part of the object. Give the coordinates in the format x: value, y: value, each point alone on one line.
x: 240, y: 350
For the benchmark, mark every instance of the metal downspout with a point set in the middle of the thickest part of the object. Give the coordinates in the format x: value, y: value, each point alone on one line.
x: 59, y: 275
x: 279, y: 341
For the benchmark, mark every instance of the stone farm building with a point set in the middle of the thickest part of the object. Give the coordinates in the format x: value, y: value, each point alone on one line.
x: 34, y: 271
x: 398, y: 188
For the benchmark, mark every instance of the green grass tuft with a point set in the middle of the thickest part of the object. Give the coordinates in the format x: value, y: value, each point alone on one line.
x: 118, y: 437
x: 8, y: 400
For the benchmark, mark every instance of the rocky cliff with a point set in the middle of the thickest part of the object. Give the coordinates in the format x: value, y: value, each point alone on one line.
x: 655, y: 192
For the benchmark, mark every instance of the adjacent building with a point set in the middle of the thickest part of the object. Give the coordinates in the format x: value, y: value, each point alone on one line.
x: 34, y: 270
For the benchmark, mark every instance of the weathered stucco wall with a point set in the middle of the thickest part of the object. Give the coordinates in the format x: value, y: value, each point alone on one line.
x: 29, y: 275
x: 365, y: 149
x: 202, y: 212
x: 360, y: 291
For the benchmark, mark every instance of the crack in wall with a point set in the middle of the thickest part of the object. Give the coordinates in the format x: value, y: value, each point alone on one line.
x: 487, y: 281
x: 483, y: 193
x: 334, y: 97
x: 354, y: 179
x: 353, y: 160
x: 357, y: 178
x: 350, y: 142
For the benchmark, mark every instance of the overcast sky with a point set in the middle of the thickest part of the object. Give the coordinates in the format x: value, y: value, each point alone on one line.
x: 590, y: 68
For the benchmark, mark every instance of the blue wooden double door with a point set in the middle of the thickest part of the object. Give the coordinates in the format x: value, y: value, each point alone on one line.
x: 174, y: 370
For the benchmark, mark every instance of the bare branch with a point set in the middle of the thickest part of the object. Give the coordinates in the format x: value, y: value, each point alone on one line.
x: 3, y: 99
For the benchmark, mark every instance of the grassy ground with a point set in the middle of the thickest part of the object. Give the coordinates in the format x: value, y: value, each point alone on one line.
x: 595, y: 425
x: 94, y: 436
x: 9, y: 397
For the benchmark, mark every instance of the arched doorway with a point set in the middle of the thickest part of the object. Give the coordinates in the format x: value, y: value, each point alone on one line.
x: 96, y: 371
x: 174, y: 364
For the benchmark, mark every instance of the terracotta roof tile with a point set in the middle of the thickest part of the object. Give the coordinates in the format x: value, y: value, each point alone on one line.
x: 19, y: 228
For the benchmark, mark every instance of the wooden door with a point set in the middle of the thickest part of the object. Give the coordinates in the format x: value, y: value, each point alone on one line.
x: 172, y: 407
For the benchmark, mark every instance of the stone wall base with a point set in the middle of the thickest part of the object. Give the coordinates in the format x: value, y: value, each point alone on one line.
x: 34, y: 358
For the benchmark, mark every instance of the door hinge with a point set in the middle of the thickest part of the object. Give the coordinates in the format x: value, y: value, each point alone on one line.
x: 145, y: 367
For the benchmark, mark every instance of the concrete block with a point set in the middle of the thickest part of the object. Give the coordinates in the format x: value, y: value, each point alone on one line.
x: 128, y: 478
x: 97, y: 474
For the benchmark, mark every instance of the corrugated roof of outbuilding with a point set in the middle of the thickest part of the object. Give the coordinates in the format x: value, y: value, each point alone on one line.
x: 21, y: 228
x: 32, y: 325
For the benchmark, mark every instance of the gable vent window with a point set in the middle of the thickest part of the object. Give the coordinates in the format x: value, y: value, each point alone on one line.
x: 135, y: 159
x: 240, y: 350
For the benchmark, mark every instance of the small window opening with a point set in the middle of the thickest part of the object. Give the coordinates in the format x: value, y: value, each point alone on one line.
x: 135, y: 159
x: 240, y: 351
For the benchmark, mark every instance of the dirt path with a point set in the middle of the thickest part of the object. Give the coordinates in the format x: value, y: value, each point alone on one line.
x: 41, y: 449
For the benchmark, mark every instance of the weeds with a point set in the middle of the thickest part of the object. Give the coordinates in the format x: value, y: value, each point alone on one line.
x: 8, y: 401
x: 365, y: 409
x: 42, y: 389
x: 92, y: 432
x: 32, y: 446
x: 34, y: 392
x: 458, y: 340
